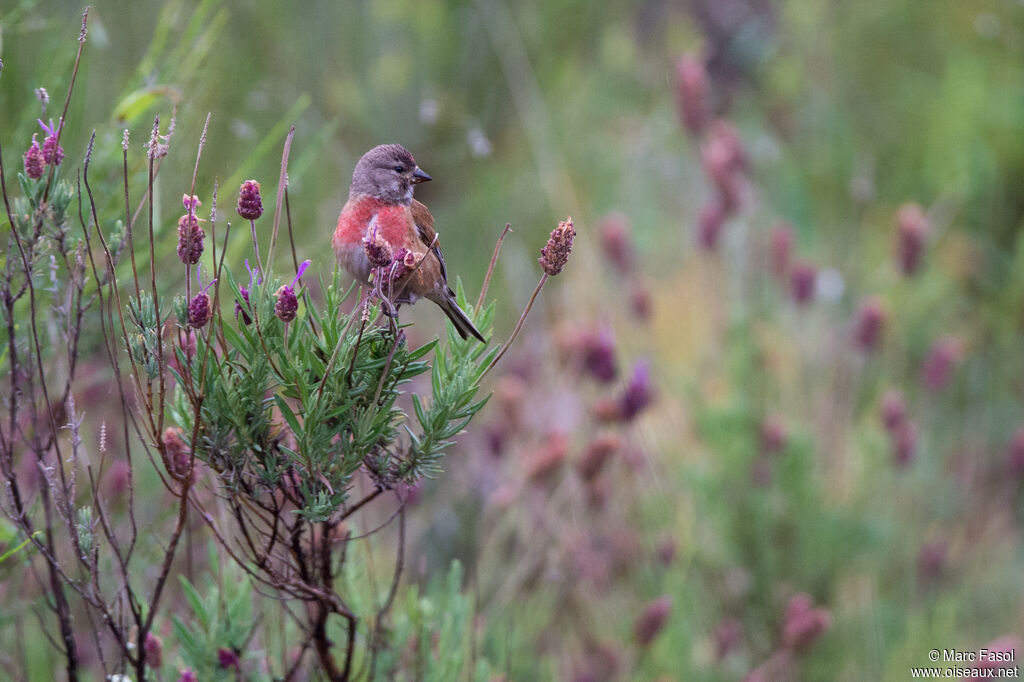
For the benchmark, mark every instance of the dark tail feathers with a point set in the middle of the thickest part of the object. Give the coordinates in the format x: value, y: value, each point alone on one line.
x: 463, y: 325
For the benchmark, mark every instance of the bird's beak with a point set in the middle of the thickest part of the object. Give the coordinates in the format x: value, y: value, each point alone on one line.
x: 419, y: 176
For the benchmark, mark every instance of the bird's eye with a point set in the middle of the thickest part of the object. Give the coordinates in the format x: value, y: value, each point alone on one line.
x: 399, y: 169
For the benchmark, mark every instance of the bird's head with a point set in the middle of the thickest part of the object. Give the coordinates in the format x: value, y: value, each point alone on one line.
x: 387, y: 172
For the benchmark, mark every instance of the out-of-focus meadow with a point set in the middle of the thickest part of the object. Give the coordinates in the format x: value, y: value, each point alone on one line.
x: 764, y: 426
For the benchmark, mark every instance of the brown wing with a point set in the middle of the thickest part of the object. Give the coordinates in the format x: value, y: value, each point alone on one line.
x: 425, y: 227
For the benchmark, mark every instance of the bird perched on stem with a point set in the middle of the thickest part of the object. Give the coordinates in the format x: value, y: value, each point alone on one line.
x: 383, y: 229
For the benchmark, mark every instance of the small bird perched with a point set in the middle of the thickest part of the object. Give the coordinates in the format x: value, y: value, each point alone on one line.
x: 380, y: 208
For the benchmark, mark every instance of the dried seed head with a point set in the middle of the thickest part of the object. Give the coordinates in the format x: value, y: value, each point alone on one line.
x: 44, y: 97
x: 190, y: 239
x: 555, y: 253
x: 692, y: 93
x: 34, y: 160
x: 378, y: 251
x: 250, y: 203
x: 652, y: 620
x: 178, y: 454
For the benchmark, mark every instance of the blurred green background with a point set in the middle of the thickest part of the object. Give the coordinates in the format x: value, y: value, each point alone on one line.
x: 524, y: 112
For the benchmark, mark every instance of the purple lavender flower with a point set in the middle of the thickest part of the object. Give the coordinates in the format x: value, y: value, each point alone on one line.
x: 250, y: 203
x: 34, y: 160
x: 53, y: 153
x: 200, y: 307
x: 227, y: 658
x: 287, y: 302
x: 190, y: 234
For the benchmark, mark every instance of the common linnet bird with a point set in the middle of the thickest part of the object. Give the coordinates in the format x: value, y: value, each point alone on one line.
x: 382, y: 218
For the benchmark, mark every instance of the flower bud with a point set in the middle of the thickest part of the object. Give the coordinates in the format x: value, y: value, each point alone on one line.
x: 555, y: 253
x: 728, y: 635
x: 34, y: 160
x: 188, y: 676
x: 250, y: 203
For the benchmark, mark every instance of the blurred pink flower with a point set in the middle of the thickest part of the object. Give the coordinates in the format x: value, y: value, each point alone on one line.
x: 650, y: 622
x: 616, y: 242
x: 781, y: 246
x: 801, y: 281
x: 938, y: 365
x: 912, y: 233
x: 869, y: 324
x: 803, y: 624
x: 692, y: 93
